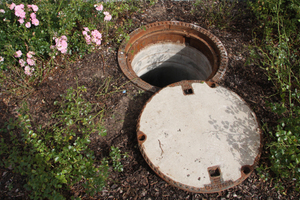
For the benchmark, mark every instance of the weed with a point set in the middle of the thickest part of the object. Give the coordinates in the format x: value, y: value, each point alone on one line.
x: 216, y: 12
x: 32, y: 39
x: 116, y: 157
x: 56, y: 157
x: 108, y: 87
x: 276, y: 53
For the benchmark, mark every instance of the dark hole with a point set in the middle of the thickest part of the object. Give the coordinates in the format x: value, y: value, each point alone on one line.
x: 164, y: 76
x: 142, y: 137
x: 188, y: 91
x: 214, y: 172
x: 246, y: 170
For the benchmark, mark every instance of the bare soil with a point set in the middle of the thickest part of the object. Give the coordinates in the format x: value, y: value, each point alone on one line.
x: 138, y: 181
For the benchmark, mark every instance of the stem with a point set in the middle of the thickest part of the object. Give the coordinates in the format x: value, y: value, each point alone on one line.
x: 287, y: 68
x: 18, y: 75
x: 59, y: 6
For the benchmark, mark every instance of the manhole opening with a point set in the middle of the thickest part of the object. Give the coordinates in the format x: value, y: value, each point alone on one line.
x: 162, y: 64
x: 167, y: 52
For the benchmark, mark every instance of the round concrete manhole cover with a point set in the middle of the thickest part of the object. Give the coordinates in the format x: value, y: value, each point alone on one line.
x: 199, y: 136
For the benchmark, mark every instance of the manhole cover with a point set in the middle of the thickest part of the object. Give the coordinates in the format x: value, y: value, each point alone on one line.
x: 163, y: 53
x: 199, y: 136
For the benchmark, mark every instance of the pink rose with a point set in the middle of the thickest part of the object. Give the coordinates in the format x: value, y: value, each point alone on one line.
x: 84, y: 33
x: 1, y: 59
x: 98, y: 42
x: 28, y: 70
x: 21, y: 20
x: 99, y: 8
x: 30, y: 62
x: 107, y: 18
x: 64, y: 37
x: 2, y: 11
x: 35, y: 22
x: 88, y: 39
x: 28, y: 25
x: 18, y: 54
x: 61, y: 44
x: 30, y: 54
x: 63, y: 51
x: 96, y: 37
x: 96, y: 34
x: 22, y: 62
x: 12, y: 6
x: 33, y: 16
x: 19, y: 11
x: 34, y: 7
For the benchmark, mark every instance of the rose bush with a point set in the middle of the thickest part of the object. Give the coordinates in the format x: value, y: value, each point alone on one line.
x: 44, y: 30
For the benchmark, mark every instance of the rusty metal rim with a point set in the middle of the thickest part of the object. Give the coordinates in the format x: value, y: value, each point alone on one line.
x: 245, y: 170
x: 174, y: 26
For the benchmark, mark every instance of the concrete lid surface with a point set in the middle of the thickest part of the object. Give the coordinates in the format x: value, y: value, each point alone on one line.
x: 202, y: 139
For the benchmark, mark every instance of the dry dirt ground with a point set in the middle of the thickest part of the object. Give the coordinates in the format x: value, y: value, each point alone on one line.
x: 138, y: 181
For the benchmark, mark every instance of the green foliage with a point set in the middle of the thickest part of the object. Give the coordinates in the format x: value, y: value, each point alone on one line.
x: 119, y: 8
x: 116, y: 157
x: 122, y: 10
x: 56, y: 19
x: 277, y: 14
x: 277, y: 52
x: 278, y: 49
x: 56, y: 157
x: 216, y: 12
x: 285, y: 149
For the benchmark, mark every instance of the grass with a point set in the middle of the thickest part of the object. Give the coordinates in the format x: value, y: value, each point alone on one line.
x: 217, y: 12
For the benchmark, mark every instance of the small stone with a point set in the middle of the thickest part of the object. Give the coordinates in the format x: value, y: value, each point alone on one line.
x: 144, y: 193
x: 114, y: 186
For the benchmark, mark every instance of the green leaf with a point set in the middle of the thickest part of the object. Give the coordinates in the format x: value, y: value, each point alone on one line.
x: 56, y: 159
